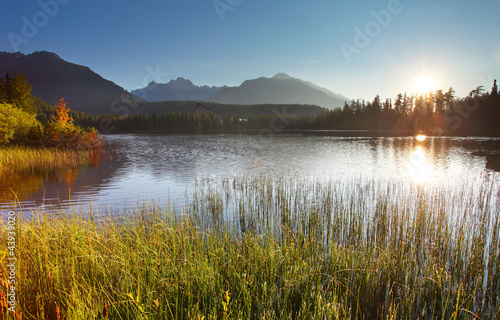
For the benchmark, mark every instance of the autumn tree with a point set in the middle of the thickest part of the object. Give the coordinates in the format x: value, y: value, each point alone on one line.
x: 62, y: 133
x: 62, y: 113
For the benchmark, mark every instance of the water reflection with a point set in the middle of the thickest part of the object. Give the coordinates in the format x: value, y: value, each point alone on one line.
x: 421, y: 137
x: 162, y: 167
x: 418, y: 167
x: 58, y: 188
x: 493, y: 162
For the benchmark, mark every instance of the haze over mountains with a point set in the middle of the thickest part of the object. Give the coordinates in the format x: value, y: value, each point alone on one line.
x: 52, y: 78
x: 176, y: 90
x: 280, y: 89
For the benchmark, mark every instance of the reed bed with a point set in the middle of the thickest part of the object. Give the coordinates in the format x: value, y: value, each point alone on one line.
x: 267, y: 248
x: 31, y: 160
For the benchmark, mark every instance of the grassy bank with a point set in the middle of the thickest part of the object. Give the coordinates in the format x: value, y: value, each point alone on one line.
x: 264, y: 248
x: 30, y: 160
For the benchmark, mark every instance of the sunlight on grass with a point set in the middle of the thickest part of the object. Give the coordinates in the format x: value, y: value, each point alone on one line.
x: 30, y: 160
x: 268, y: 248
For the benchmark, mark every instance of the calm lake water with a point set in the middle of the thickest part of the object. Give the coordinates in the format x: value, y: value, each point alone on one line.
x: 165, y: 167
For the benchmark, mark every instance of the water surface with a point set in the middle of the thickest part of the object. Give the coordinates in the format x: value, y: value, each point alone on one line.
x: 164, y: 168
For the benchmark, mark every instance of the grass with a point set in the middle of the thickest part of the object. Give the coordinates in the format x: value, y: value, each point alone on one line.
x: 31, y: 160
x: 267, y: 248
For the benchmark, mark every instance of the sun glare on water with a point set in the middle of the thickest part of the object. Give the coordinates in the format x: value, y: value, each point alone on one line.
x: 420, y: 137
x: 424, y: 85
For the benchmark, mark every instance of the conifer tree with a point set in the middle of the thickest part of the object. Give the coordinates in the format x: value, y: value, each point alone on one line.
x: 494, y: 89
x: 17, y: 91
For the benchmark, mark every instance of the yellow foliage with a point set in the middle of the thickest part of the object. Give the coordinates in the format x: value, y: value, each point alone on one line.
x: 15, y: 124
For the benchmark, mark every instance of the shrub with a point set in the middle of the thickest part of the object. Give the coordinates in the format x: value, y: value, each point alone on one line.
x: 16, y: 125
x: 69, y: 136
x: 61, y: 132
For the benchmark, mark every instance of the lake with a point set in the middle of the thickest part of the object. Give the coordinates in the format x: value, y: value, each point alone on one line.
x: 165, y: 168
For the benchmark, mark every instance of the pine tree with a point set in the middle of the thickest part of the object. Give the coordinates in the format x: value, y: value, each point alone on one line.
x: 17, y: 91
x: 494, y: 89
x: 439, y: 100
x: 398, y: 105
x: 449, y: 99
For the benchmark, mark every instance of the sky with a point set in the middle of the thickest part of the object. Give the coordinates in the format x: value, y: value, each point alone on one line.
x: 358, y: 48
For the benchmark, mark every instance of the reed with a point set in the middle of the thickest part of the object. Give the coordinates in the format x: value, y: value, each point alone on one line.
x: 30, y: 160
x: 268, y: 248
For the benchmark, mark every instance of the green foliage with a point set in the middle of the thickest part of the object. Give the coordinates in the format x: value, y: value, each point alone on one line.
x: 17, y: 91
x: 22, y: 115
x: 16, y: 125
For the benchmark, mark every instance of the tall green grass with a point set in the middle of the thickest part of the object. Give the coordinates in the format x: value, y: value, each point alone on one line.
x: 268, y: 248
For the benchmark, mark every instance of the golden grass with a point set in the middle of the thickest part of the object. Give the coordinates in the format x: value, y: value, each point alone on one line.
x: 30, y: 160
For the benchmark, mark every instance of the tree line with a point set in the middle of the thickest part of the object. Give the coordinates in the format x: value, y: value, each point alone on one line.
x: 435, y: 113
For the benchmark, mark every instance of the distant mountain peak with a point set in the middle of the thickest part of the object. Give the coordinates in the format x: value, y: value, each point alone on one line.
x: 282, y: 76
x: 45, y: 54
x: 280, y: 89
x: 178, y: 89
x: 181, y: 81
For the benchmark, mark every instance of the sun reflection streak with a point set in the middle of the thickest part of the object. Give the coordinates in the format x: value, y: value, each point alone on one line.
x: 421, y: 137
x: 417, y: 168
x: 420, y: 165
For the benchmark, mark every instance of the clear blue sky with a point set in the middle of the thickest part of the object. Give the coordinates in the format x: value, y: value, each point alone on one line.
x: 226, y: 42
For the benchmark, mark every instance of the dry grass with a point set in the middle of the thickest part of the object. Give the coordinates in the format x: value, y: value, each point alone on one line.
x: 29, y: 160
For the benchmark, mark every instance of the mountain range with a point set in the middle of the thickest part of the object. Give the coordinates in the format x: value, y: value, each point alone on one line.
x: 280, y: 89
x: 51, y: 78
x: 176, y: 90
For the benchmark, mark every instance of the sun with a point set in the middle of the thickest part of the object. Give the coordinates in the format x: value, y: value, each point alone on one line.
x: 424, y: 85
